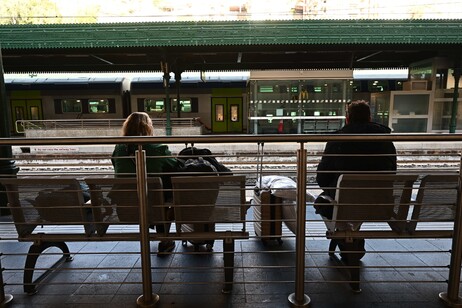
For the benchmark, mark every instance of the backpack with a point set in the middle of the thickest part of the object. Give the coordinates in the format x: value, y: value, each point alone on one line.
x: 203, y: 160
x: 200, y: 166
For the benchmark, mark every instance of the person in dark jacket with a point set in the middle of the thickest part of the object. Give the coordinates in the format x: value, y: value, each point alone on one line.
x: 159, y: 162
x: 336, y: 160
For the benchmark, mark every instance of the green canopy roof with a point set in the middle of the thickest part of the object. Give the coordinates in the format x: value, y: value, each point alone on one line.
x: 228, y: 44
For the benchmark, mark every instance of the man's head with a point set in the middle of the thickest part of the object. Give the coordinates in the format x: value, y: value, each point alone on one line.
x: 358, y: 112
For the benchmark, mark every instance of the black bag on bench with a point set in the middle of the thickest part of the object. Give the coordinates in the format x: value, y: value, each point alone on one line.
x: 200, y: 162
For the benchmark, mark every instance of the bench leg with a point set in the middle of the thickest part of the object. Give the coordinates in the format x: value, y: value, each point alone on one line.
x: 228, y: 251
x: 34, y: 252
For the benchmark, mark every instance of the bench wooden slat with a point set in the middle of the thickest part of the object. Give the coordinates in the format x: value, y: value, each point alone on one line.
x: 51, y: 201
x: 436, y: 200
x: 372, y: 197
x: 115, y: 201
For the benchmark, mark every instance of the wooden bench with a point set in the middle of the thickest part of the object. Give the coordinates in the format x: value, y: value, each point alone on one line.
x: 379, y: 206
x: 57, y: 203
x: 43, y: 210
x: 200, y: 202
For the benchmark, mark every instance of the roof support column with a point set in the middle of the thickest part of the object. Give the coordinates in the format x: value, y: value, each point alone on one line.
x: 7, y: 166
x: 178, y: 84
x: 455, y: 96
x: 165, y: 68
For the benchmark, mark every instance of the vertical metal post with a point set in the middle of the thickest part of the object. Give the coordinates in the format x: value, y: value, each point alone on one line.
x: 178, y: 101
x: 4, y: 298
x: 147, y: 299
x: 455, y: 103
x: 299, y: 298
x: 7, y: 166
x: 451, y: 297
x: 165, y: 69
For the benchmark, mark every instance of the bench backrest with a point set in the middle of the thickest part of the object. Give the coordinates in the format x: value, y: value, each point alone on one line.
x: 372, y: 197
x: 208, y: 199
x: 436, y: 199
x: 115, y: 201
x: 45, y: 201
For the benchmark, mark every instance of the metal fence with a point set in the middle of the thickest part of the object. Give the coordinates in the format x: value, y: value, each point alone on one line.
x: 295, y: 258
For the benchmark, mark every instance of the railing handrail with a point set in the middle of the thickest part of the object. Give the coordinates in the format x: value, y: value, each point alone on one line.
x: 82, y: 123
x: 305, y: 138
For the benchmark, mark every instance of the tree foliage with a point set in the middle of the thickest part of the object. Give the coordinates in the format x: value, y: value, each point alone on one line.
x: 29, y: 12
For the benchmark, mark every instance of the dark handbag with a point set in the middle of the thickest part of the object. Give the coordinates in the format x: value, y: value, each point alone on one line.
x: 323, y: 205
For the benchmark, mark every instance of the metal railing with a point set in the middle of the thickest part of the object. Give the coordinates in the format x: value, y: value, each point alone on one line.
x: 23, y: 125
x: 300, y: 165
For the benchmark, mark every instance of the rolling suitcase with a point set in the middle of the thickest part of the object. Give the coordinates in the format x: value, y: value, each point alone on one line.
x: 267, y: 211
x: 267, y: 214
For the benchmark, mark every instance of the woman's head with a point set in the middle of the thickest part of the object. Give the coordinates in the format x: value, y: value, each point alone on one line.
x: 138, y: 124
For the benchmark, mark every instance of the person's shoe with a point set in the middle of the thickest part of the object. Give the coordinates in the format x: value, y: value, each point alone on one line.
x: 165, y: 247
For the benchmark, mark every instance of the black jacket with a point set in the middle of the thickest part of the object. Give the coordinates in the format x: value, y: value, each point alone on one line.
x: 355, y: 164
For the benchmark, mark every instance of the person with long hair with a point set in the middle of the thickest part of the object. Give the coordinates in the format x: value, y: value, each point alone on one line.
x: 159, y: 163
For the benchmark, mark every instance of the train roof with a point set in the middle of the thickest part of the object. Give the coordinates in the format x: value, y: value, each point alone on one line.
x: 21, y: 83
x: 195, y: 77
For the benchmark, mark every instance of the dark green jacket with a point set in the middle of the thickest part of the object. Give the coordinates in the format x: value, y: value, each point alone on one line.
x: 159, y: 161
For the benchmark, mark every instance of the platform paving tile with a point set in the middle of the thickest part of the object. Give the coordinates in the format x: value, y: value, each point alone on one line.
x: 264, y: 276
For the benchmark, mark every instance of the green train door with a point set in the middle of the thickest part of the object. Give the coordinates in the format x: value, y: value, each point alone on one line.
x: 227, y: 115
x: 25, y: 109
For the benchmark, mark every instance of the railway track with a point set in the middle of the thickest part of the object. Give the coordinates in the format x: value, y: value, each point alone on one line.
x: 273, y: 164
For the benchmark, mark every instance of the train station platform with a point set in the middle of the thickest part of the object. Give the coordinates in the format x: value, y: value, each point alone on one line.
x: 396, y: 273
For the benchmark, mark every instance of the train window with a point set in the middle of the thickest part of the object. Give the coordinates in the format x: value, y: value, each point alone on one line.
x: 219, y: 113
x: 265, y: 89
x: 185, y: 105
x: 34, y: 113
x: 153, y: 105
x: 98, y: 106
x: 318, y: 89
x: 234, y: 113
x: 71, y: 105
x: 19, y: 113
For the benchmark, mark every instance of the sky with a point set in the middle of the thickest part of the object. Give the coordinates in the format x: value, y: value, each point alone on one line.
x: 144, y: 10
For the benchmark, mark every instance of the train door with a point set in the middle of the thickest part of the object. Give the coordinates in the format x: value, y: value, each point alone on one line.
x: 26, y: 109
x: 227, y: 115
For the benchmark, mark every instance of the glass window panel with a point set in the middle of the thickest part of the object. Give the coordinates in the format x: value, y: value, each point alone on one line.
x: 416, y: 104
x: 71, y: 105
x: 265, y: 89
x: 153, y: 105
x: 442, y: 115
x: 98, y: 106
x: 410, y: 126
x: 34, y: 113
x: 19, y: 113
x: 219, y: 113
x: 234, y: 113
x: 421, y: 72
x: 185, y: 105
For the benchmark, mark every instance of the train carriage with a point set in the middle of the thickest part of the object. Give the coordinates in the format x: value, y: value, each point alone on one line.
x: 255, y: 102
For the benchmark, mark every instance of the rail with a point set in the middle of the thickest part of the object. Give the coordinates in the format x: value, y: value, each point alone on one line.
x: 22, y: 126
x: 310, y: 231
